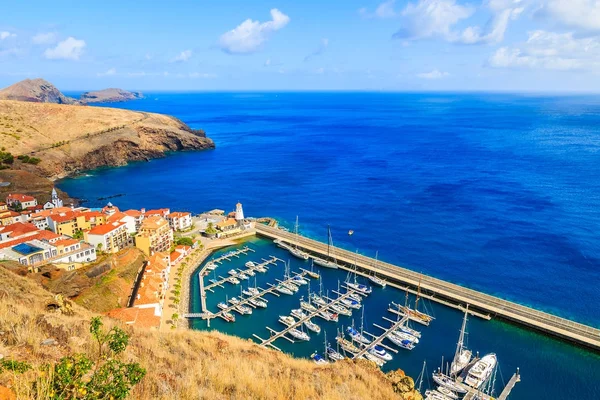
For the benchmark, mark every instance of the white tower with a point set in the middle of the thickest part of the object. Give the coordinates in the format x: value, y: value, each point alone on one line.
x: 55, y: 200
x: 239, y: 213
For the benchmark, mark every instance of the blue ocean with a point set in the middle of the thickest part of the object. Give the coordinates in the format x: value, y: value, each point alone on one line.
x: 497, y: 192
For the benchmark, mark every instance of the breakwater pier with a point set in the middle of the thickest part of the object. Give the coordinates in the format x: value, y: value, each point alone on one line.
x: 446, y: 293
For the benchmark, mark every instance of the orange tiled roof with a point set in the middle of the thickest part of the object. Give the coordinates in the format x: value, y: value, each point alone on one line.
x: 178, y: 214
x: 150, y: 288
x: 117, y: 216
x: 18, y: 229
x: 226, y: 222
x: 104, y: 229
x: 47, y: 235
x: 66, y: 242
x: 133, y: 213
x: 160, y: 211
x: 175, y: 256
x: 64, y: 217
x: 20, y: 197
x: 153, y: 222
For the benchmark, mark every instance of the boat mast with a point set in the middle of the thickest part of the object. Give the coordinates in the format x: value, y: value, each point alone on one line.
x: 418, y: 295
x: 296, y: 232
x: 461, y: 339
x: 419, y: 387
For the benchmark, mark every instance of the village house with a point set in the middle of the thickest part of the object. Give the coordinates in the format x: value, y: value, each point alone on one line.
x: 155, y: 235
x: 180, y: 221
x: 227, y: 227
x: 110, y: 238
x: 128, y: 220
x: 161, y: 212
x: 21, y: 201
x: 138, y: 216
x: 179, y: 254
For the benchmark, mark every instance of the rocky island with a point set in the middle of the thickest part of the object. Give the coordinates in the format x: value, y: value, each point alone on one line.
x: 111, y: 95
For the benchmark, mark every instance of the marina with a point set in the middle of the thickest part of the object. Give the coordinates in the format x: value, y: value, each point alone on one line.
x: 574, y: 332
x: 374, y: 304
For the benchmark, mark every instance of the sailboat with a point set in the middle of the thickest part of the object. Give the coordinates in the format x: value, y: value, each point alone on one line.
x: 373, y: 278
x: 312, y: 273
x: 358, y: 287
x: 296, y: 252
x: 462, y: 356
x: 415, y: 314
x: 329, y: 261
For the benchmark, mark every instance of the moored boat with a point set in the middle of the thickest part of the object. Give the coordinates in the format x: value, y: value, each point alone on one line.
x: 298, y: 313
x: 329, y: 261
x: 287, y: 320
x: 404, y: 344
x: 405, y: 336
x: 359, y: 287
x: 435, y: 395
x: 333, y: 354
x: 243, y: 276
x: 338, y: 308
x: 377, y: 281
x: 462, y: 356
x: 232, y: 272
x: 290, y: 286
x: 229, y: 317
x: 249, y: 272
x: 284, y: 290
x: 211, y: 266
x: 319, y: 359
x: 222, y: 305
x: 315, y: 298
x: 312, y: 326
x: 447, y: 392
x: 446, y: 381
x: 373, y: 358
x: 351, y: 303
x: 380, y: 352
x: 242, y: 309
x: 258, y: 303
x: 481, y: 371
x: 298, y: 334
x: 307, y: 306
x: 328, y: 316
x: 298, y: 280
x: 233, y: 280
x: 356, y: 335
x: 347, y: 345
x: 250, y: 264
x: 234, y: 300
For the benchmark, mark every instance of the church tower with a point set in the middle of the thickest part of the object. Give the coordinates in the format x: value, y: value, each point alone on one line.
x: 56, y: 202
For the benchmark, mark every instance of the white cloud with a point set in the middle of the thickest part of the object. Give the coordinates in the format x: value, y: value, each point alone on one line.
x: 322, y: 47
x: 44, y: 38
x: 549, y: 50
x: 268, y: 62
x: 202, y: 75
x: 68, y: 49
x: 183, y: 56
x: 438, y: 19
x: 579, y: 14
x: 250, y: 35
x: 432, y: 18
x: 13, y: 51
x: 383, y: 10
x: 109, y: 72
x: 6, y: 35
x: 435, y: 74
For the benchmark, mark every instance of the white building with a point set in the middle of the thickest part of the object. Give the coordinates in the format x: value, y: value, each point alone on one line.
x: 21, y: 199
x: 55, y: 202
x: 180, y: 221
x: 110, y: 237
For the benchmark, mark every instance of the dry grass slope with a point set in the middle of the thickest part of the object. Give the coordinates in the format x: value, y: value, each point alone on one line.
x: 180, y: 364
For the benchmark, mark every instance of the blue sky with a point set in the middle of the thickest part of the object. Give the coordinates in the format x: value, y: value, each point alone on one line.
x: 513, y: 45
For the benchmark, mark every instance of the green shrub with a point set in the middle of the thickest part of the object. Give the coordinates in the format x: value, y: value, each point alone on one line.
x: 103, y: 376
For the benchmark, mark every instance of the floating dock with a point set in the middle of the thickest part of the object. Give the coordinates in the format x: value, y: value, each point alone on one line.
x: 282, y: 334
x: 448, y: 293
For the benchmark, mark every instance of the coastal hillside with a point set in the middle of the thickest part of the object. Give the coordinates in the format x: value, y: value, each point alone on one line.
x: 111, y: 95
x: 39, y: 329
x: 35, y: 90
x: 55, y: 140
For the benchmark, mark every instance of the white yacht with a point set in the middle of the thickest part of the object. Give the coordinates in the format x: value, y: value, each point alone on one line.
x: 481, y: 371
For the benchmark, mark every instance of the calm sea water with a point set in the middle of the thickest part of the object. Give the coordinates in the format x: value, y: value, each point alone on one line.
x: 499, y: 193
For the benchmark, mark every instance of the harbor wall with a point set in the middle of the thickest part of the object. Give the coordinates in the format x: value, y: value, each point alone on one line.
x: 448, y: 293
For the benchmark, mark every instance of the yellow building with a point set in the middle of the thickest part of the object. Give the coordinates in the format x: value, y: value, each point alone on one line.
x: 154, y: 235
x: 63, y: 223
